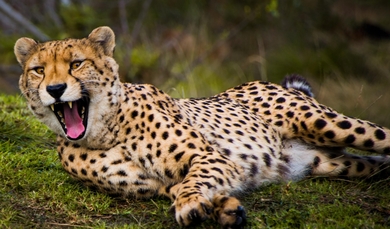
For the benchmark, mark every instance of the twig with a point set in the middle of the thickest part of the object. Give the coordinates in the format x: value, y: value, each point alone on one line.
x: 69, y: 225
x: 16, y: 16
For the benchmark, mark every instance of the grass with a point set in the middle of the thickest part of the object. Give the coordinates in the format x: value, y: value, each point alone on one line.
x: 35, y: 192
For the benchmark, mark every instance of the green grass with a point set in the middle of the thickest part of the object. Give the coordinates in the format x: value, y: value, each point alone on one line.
x: 35, y: 192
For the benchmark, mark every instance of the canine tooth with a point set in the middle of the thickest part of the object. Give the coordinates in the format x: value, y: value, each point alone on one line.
x: 52, y: 107
x: 70, y: 104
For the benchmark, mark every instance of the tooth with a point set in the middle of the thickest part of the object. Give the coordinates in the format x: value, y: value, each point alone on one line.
x: 70, y: 104
x: 52, y: 107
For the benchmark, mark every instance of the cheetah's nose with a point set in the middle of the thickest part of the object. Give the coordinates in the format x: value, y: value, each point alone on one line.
x: 57, y: 90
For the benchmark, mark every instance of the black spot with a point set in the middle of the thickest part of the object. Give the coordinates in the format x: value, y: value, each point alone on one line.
x: 209, y: 149
x: 279, y: 123
x: 178, y: 133
x: 316, y: 161
x: 344, y: 125
x: 330, y: 115
x: 360, y: 167
x: 248, y: 146
x: 134, y: 146
x: 142, y: 161
x: 121, y: 173
x: 227, y: 152
x: 360, y: 130
x: 178, y: 156
x: 217, y: 169
x: 193, y: 134
x: 368, y: 143
x: 153, y: 135
x: 168, y: 173
x: 150, y: 118
x: 386, y: 150
x: 121, y: 118
x: 305, y: 108
x: 239, y: 132
x: 380, y: 134
x: 265, y: 105
x: 172, y: 148
x: 254, y: 169
x: 134, y: 114
x: 102, y: 155
x: 280, y: 100
x: 74, y: 171
x: 267, y: 159
x: 191, y: 145
x: 71, y: 157
x: 320, y: 123
x: 122, y: 183
x: 295, y: 128
x: 308, y: 115
x: 104, y: 169
x: 94, y: 173
x: 279, y: 107
x: 303, y: 125
x: 165, y: 135
x: 84, y: 172
x: 158, y: 153
x: 92, y: 161
x: 290, y: 114
x: 243, y: 156
x: 128, y: 130
x: 83, y: 156
x: 329, y: 134
x: 350, y: 139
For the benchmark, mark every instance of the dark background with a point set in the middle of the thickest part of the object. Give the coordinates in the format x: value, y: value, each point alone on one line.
x: 199, y: 48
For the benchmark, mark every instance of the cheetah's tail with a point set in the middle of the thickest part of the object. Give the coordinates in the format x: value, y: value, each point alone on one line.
x: 299, y: 83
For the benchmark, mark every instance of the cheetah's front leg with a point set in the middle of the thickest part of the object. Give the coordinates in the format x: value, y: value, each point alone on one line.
x: 198, y: 197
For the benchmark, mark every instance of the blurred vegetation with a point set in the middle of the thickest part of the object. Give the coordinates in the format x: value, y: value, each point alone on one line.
x: 199, y: 48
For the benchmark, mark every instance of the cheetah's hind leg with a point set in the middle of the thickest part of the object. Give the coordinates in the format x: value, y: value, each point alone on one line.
x: 307, y: 159
x: 338, y: 162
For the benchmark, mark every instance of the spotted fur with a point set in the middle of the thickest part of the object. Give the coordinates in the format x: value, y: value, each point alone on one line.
x: 135, y: 140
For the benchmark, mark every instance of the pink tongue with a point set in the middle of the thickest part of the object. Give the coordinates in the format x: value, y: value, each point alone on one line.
x: 73, y: 121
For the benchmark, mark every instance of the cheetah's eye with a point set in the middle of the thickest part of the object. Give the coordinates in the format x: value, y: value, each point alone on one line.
x: 39, y: 70
x: 75, y: 64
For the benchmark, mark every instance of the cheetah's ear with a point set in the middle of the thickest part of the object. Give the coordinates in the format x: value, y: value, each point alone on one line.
x: 105, y: 37
x: 22, y: 48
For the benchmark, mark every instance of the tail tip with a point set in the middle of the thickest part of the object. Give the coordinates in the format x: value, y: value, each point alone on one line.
x: 299, y: 83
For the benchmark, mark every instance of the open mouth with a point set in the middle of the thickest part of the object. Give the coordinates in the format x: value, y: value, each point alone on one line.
x: 73, y: 117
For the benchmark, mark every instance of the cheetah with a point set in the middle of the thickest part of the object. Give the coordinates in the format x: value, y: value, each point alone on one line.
x: 135, y: 140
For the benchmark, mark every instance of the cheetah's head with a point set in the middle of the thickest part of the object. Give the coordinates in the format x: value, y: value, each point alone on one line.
x: 67, y: 82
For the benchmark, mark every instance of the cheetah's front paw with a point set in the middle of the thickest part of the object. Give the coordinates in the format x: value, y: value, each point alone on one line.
x: 229, y: 212
x: 192, y: 210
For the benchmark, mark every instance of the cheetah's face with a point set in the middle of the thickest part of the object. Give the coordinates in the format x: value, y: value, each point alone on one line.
x: 62, y: 80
